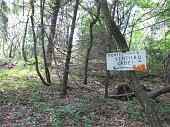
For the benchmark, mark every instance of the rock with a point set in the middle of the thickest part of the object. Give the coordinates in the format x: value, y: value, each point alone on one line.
x: 15, y: 115
x: 34, y: 119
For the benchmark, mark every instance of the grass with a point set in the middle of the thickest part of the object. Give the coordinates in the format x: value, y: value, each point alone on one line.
x: 16, y: 77
x: 134, y: 111
x: 6, y: 59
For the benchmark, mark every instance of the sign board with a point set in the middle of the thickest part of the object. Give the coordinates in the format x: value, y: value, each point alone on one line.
x: 130, y: 60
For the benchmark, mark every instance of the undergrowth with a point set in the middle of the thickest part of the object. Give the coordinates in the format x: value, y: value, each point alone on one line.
x: 22, y: 88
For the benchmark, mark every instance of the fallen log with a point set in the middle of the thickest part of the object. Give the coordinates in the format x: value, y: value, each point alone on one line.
x: 159, y: 92
x: 152, y: 95
x: 125, y: 97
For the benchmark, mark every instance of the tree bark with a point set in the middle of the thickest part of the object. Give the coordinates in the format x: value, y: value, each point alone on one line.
x: 113, y: 28
x: 50, y: 46
x: 141, y: 95
x: 23, y: 41
x: 35, y: 45
x: 47, y: 73
x: 144, y: 100
x: 159, y: 92
x: 90, y: 45
x: 68, y: 57
x: 11, y: 49
x: 4, y: 42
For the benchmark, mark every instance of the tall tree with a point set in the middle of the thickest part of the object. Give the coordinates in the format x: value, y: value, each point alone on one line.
x: 47, y: 73
x: 50, y: 46
x: 4, y: 24
x: 24, y: 55
x: 35, y: 45
x: 68, y: 57
x: 94, y: 21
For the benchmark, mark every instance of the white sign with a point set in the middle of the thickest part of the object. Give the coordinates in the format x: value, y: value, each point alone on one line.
x: 130, y: 60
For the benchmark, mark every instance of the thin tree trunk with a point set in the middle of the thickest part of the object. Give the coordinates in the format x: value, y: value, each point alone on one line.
x: 47, y: 73
x: 3, y: 47
x: 141, y: 95
x: 109, y: 49
x: 68, y: 57
x: 35, y: 45
x: 11, y: 49
x: 90, y: 45
x: 50, y: 46
x: 23, y: 41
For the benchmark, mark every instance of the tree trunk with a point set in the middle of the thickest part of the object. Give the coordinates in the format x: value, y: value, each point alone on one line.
x: 90, y: 45
x: 47, y: 73
x: 50, y: 46
x: 141, y: 95
x: 3, y: 46
x: 10, y: 49
x: 35, y: 45
x: 144, y: 100
x: 107, y: 78
x: 23, y: 41
x: 159, y: 92
x: 68, y: 57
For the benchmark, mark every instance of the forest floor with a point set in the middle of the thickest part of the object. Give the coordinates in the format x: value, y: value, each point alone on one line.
x: 26, y: 102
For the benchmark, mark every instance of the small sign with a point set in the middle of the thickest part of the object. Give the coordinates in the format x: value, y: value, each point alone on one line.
x: 130, y: 60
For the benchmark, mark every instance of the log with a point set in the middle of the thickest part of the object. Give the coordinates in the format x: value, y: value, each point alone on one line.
x: 159, y: 92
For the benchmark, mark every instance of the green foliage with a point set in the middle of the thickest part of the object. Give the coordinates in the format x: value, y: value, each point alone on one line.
x: 75, y: 113
x: 134, y: 111
x: 103, y: 99
x: 22, y: 84
x: 15, y: 77
x: 15, y: 83
x: 167, y: 42
x: 35, y: 95
x: 135, y: 39
x: 162, y: 107
x: 143, y: 3
x: 6, y: 59
x: 15, y: 7
x: 86, y: 97
x: 55, y: 121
